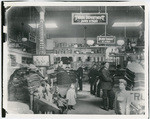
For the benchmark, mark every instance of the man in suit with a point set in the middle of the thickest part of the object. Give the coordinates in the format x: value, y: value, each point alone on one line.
x: 80, y: 77
x: 93, y: 75
x: 107, y: 85
x: 99, y: 78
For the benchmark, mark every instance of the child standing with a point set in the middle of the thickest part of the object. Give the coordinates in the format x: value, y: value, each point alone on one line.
x: 122, y: 99
x: 48, y: 95
x: 71, y: 97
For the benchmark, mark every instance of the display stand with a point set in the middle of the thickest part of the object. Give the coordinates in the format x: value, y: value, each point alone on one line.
x: 121, y: 58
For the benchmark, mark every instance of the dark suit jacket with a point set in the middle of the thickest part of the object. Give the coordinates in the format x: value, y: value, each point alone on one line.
x: 93, y: 74
x: 80, y: 72
x: 62, y: 77
x: 106, y: 82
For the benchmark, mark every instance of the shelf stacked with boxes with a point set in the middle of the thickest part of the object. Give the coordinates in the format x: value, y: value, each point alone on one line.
x: 139, y: 82
x: 79, y: 50
x: 119, y: 58
x: 94, y: 53
x: 26, y: 46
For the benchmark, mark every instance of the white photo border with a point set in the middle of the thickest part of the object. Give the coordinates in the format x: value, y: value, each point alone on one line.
x: 81, y: 4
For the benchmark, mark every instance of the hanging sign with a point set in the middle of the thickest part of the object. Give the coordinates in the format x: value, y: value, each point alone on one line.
x: 89, y: 18
x: 106, y: 39
x: 41, y: 60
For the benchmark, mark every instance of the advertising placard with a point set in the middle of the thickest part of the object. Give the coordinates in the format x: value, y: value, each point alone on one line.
x: 89, y: 18
x: 106, y: 39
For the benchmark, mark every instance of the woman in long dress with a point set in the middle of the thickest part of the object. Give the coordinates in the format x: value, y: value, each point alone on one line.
x: 122, y: 99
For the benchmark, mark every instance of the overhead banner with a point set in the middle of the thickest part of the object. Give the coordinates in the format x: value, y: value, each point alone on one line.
x: 89, y: 18
x: 106, y: 39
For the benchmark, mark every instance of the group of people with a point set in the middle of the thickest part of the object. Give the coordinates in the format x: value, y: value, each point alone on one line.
x: 101, y: 84
x: 52, y: 95
x: 100, y: 78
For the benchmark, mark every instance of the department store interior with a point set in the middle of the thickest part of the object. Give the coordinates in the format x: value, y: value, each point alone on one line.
x: 57, y: 58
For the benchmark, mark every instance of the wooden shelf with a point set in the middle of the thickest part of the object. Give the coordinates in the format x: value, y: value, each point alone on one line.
x: 27, y: 44
x: 30, y: 46
x: 117, y: 55
x: 100, y: 54
x: 142, y: 47
x: 81, y: 50
x: 80, y: 47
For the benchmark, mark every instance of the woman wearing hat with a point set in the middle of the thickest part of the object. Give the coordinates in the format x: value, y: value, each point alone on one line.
x: 122, y: 99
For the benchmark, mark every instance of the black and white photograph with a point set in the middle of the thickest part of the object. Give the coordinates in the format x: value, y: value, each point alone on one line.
x: 75, y: 59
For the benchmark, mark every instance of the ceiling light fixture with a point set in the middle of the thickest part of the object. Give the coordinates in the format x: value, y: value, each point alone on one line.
x: 126, y: 24
x: 33, y: 25
x: 24, y: 39
x: 50, y: 25
x: 47, y: 25
x: 133, y: 44
x: 120, y: 42
x: 90, y: 42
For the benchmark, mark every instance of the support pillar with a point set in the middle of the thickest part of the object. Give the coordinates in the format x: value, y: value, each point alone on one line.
x: 41, y: 47
x: 41, y: 41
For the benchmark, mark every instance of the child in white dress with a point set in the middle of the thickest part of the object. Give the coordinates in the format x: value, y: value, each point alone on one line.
x: 71, y: 97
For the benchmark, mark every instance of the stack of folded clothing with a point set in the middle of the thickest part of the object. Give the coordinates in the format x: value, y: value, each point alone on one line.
x: 62, y: 76
x: 139, y: 82
x: 129, y: 77
x: 136, y: 71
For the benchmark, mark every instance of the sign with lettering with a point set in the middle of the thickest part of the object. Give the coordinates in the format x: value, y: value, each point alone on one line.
x: 137, y: 105
x: 137, y: 96
x: 106, y: 39
x: 89, y: 18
